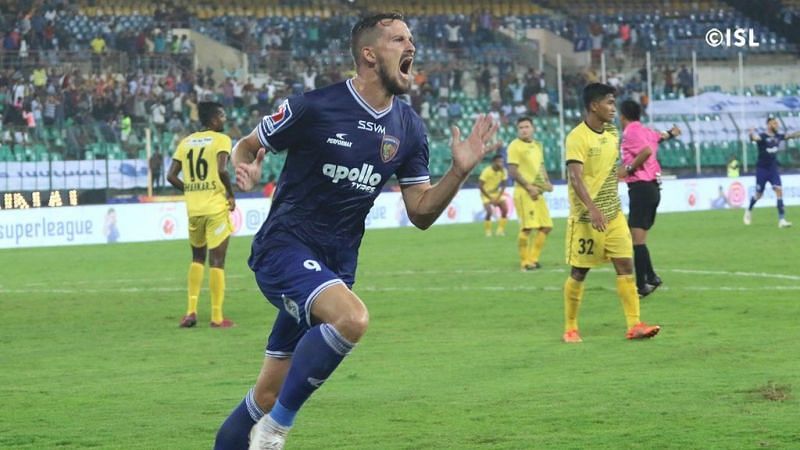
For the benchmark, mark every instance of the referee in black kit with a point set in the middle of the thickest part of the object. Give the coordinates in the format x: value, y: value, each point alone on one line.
x: 641, y: 171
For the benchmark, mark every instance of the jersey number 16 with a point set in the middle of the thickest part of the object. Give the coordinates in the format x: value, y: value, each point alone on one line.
x: 200, y: 168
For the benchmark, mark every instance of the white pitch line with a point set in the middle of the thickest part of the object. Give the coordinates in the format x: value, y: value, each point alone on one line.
x: 564, y: 269
x: 779, y: 276
x: 174, y: 279
x: 532, y: 276
x: 40, y: 287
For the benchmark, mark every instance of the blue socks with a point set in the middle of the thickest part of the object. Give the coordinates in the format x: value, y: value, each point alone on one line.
x: 318, y: 353
x: 234, y: 434
x: 780, y: 208
x: 752, y: 203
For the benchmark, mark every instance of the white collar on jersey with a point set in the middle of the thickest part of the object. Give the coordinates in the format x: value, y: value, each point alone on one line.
x: 375, y: 114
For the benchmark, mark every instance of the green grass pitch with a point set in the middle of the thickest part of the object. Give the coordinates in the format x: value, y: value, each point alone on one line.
x: 463, y: 350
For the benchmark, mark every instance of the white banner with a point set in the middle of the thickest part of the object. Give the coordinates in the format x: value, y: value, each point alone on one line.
x: 85, y: 174
x: 137, y: 222
x: 719, y: 103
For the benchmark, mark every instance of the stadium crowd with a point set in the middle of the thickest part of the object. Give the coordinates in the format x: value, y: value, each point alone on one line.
x: 459, y: 57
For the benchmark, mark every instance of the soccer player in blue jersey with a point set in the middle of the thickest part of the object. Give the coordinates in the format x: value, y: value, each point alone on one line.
x: 769, y: 143
x: 343, y: 143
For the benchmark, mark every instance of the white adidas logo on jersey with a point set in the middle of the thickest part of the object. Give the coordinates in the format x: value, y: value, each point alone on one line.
x: 360, y: 178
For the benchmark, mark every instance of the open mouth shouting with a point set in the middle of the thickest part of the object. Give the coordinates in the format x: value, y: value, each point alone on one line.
x: 405, y: 66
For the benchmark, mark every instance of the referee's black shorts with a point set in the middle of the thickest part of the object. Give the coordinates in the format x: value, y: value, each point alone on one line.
x: 645, y: 197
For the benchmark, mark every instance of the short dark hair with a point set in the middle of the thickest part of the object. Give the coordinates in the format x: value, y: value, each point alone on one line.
x: 594, y: 92
x: 497, y: 156
x: 524, y: 119
x: 631, y: 110
x: 206, y: 111
x: 366, y: 24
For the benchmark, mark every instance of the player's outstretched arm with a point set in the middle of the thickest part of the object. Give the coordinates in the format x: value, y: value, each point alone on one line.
x: 794, y: 135
x: 754, y: 136
x: 424, y: 203
x: 248, y: 155
x: 672, y: 133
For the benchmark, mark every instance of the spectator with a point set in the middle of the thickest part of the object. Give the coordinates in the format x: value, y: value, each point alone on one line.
x: 159, y: 42
x: 158, y: 116
x: 191, y: 105
x: 310, y: 79
x: 453, y: 38
x: 156, y: 164
x: 668, y: 81
x: 685, y: 82
x: 98, y: 45
x: 543, y: 100
x: 125, y: 128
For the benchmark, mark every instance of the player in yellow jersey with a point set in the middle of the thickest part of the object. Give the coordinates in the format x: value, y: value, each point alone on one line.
x: 203, y: 157
x: 596, y: 228
x: 526, y: 165
x: 492, y: 184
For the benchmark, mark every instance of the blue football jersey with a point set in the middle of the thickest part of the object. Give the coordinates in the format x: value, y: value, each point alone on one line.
x: 768, y: 148
x: 340, y: 153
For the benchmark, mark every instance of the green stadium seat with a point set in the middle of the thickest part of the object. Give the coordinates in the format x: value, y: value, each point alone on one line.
x: 6, y: 154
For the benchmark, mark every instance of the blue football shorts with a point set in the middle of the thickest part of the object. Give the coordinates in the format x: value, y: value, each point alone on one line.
x: 291, y: 277
x: 764, y: 175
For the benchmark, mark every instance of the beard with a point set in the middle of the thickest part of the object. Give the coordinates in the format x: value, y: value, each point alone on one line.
x: 392, y: 84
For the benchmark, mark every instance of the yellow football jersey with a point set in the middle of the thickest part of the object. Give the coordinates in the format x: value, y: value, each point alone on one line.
x: 493, y: 179
x: 599, y: 153
x: 529, y: 158
x: 203, y: 190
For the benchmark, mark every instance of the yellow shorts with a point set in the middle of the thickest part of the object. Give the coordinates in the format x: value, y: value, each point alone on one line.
x: 587, y: 247
x: 210, y: 230
x: 486, y: 199
x: 532, y: 213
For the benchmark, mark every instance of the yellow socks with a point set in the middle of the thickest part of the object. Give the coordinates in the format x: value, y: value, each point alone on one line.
x: 626, y: 288
x: 501, y: 226
x: 216, y: 284
x: 538, y: 244
x: 573, y: 293
x: 487, y: 227
x: 523, y: 241
x: 195, y: 281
